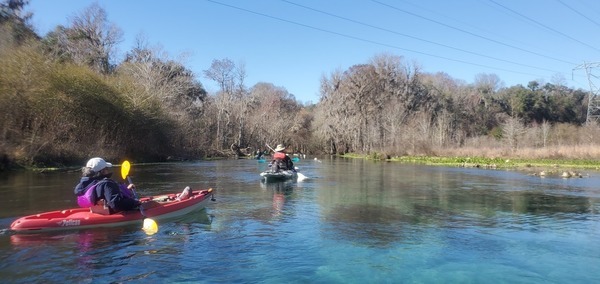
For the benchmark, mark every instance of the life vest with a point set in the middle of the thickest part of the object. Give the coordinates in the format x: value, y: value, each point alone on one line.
x: 88, y: 198
x: 279, y: 156
x: 280, y: 162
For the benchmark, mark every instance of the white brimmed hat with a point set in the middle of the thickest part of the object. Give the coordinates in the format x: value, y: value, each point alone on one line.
x: 98, y: 164
x: 279, y: 147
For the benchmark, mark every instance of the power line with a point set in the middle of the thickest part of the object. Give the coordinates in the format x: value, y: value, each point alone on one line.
x: 475, y: 27
x: 544, y: 26
x: 579, y: 13
x: 416, y: 38
x: 370, y: 41
x: 590, y: 7
x: 470, y: 33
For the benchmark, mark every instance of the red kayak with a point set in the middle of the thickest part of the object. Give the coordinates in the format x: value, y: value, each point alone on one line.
x: 155, y: 207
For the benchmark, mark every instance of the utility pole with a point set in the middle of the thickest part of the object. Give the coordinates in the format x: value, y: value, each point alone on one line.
x: 593, y: 109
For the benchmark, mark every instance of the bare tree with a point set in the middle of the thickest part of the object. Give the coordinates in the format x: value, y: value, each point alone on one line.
x: 449, y: 115
x: 93, y: 39
x: 90, y: 40
x: 512, y: 130
x: 231, y: 101
x: 487, y: 84
x: 273, y: 113
x: 223, y: 73
x: 164, y: 89
x: 368, y: 103
x: 443, y: 126
x: 241, y: 105
x: 545, y: 127
x: 161, y: 79
x: 324, y: 126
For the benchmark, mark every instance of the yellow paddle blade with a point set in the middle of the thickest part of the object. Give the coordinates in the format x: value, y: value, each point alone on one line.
x: 125, y: 167
x: 150, y: 226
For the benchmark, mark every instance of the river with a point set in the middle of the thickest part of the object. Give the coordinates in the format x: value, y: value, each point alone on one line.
x: 351, y: 221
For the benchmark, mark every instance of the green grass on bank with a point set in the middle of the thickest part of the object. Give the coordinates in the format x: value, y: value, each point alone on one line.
x: 495, y: 163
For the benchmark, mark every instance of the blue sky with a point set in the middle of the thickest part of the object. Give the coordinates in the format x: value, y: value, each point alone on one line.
x: 293, y: 43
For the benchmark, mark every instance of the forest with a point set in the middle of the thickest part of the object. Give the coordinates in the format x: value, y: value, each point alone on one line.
x: 64, y: 98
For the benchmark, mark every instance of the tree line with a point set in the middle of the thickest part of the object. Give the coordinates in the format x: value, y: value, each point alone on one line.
x: 389, y: 105
x: 65, y: 97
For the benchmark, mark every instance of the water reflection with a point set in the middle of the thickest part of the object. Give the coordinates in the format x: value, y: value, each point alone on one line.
x: 90, y: 251
x: 23, y: 192
x: 353, y: 221
x: 382, y: 204
x: 281, y: 191
x: 96, y: 254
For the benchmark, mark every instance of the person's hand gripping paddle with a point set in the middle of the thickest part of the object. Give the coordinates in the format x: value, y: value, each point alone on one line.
x: 150, y: 226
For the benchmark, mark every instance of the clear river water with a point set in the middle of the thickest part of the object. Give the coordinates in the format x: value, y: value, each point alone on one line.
x: 351, y: 221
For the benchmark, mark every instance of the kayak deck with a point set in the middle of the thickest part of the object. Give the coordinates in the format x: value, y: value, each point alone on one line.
x: 269, y: 176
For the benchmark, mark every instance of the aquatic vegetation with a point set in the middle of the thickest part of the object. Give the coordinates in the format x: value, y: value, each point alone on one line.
x: 490, y: 163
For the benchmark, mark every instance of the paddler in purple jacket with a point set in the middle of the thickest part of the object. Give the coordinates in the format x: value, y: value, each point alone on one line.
x: 96, y: 184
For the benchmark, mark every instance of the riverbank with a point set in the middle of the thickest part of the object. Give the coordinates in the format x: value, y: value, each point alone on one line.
x: 495, y: 157
x: 499, y: 163
x: 567, y: 168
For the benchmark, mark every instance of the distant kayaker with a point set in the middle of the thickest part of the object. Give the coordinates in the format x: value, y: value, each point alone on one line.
x: 258, y: 155
x: 281, y: 161
x: 96, y: 184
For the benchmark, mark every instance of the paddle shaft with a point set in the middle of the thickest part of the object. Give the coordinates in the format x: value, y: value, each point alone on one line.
x: 125, y: 175
x: 149, y: 225
x: 133, y: 189
x: 270, y: 147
